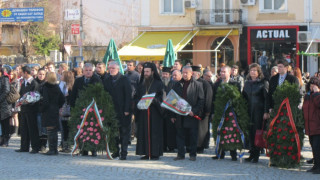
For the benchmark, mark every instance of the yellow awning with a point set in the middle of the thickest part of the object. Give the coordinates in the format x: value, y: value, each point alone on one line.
x: 151, y: 46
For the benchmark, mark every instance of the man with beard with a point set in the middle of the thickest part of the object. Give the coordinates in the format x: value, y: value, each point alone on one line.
x: 100, y: 71
x: 225, y: 73
x: 204, y: 123
x: 118, y: 86
x: 165, y: 77
x: 150, y: 122
x: 187, y: 126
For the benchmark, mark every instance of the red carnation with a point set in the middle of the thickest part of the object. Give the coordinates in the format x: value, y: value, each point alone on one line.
x: 278, y: 136
x: 278, y: 121
x: 275, y: 153
x: 279, y: 130
x: 292, y: 139
x: 278, y: 147
x: 289, y: 124
x: 284, y: 147
x: 284, y: 121
x: 274, y: 128
x: 285, y: 129
x: 272, y: 144
x: 287, y: 114
x: 224, y: 131
x: 284, y: 137
x: 291, y: 131
x: 281, y: 114
x: 290, y: 148
x: 237, y: 130
x: 279, y: 153
x: 227, y: 119
x: 289, y: 153
x: 294, y: 157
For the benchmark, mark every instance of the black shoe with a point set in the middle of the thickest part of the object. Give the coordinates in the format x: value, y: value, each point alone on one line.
x: 178, y: 158
x: 34, y: 151
x: 192, y: 158
x: 316, y: 171
x: 20, y: 150
x: 200, y: 151
x: 312, y: 169
x: 154, y: 157
x: 51, y: 153
x: 144, y: 157
x: 129, y: 143
x: 123, y: 158
x: 115, y: 155
x: 216, y: 157
x: 94, y: 153
x: 255, y: 160
x: 84, y: 153
x: 310, y: 161
x: 249, y: 159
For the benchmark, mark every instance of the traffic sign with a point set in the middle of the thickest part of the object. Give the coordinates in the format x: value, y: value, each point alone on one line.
x: 75, y: 28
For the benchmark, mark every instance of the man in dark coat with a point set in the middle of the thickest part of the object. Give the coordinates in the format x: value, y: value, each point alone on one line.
x: 88, y: 78
x: 150, y: 122
x: 100, y: 71
x: 225, y: 73
x: 279, y: 79
x: 205, y: 114
x: 28, y: 122
x: 80, y: 83
x: 118, y: 86
x: 192, y: 91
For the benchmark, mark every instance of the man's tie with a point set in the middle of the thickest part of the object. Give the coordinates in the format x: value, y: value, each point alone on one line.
x: 86, y: 81
x: 281, y: 80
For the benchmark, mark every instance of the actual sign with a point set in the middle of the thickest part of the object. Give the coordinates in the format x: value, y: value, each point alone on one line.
x: 22, y: 14
x: 274, y: 34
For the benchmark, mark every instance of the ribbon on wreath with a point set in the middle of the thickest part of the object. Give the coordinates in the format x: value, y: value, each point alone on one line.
x: 220, y: 126
x: 293, y: 126
x: 84, y: 119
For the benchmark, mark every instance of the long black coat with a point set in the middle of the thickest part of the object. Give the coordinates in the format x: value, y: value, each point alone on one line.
x: 33, y: 86
x: 207, y: 90
x: 79, y: 85
x: 120, y: 92
x: 156, y: 121
x: 195, y: 97
x: 5, y: 107
x: 256, y: 94
x: 274, y: 82
x: 52, y: 101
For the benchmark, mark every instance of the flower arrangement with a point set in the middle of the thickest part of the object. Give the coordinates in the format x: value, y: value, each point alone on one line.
x: 92, y: 132
x: 28, y: 98
x: 176, y: 104
x: 146, y: 101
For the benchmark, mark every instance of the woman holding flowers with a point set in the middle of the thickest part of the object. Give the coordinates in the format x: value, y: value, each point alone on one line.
x: 255, y: 91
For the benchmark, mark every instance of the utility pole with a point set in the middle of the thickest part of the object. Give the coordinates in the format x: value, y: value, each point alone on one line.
x: 81, y: 29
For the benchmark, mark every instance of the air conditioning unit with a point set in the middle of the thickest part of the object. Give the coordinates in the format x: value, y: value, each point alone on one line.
x: 190, y: 3
x: 248, y: 2
x: 304, y: 36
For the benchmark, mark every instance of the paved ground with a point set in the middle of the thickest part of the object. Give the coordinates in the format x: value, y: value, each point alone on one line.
x: 37, y: 166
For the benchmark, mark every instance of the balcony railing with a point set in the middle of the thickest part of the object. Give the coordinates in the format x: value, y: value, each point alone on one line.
x: 207, y: 17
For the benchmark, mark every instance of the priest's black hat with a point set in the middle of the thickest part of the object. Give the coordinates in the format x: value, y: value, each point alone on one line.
x: 166, y: 69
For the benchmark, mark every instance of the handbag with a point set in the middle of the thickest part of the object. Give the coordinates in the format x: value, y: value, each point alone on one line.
x: 259, y: 139
x: 65, y: 110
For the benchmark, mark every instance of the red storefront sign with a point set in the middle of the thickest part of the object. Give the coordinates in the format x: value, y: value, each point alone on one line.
x: 75, y: 28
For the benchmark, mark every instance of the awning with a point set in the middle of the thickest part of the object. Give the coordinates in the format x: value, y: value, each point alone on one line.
x: 151, y: 46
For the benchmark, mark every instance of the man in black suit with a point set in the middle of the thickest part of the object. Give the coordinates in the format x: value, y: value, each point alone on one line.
x: 28, y: 121
x: 88, y: 78
x: 279, y: 79
x: 225, y: 73
x: 119, y: 88
x: 80, y: 83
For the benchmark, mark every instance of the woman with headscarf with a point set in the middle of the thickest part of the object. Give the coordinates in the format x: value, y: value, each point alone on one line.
x: 150, y: 122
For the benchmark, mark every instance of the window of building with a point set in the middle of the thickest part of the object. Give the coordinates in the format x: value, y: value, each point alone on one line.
x: 172, y: 7
x: 273, y: 5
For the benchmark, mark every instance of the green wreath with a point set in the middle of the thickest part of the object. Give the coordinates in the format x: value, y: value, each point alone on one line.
x: 225, y: 93
x: 110, y: 123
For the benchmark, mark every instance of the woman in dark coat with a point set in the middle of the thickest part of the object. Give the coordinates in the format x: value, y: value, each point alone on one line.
x: 41, y: 79
x: 53, y: 99
x: 5, y: 108
x: 311, y: 112
x: 255, y: 91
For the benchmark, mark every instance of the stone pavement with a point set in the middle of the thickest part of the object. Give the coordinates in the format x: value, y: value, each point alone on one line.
x: 15, y: 165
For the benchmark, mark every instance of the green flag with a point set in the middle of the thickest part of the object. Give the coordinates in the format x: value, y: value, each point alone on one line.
x: 170, y: 56
x: 112, y: 53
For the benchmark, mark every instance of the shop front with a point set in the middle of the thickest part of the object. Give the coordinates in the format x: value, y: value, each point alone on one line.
x: 274, y: 42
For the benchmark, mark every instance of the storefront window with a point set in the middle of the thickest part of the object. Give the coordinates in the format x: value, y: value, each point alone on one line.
x: 273, y: 5
x: 225, y: 55
x: 172, y: 6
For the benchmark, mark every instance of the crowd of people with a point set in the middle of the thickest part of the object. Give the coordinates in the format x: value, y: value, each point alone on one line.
x: 157, y: 130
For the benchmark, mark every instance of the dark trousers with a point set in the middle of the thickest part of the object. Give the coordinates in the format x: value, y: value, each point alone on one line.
x: 182, y: 133
x: 65, y: 129
x: 5, y: 127
x: 315, y: 145
x: 123, y: 139
x: 29, y: 131
x: 222, y: 153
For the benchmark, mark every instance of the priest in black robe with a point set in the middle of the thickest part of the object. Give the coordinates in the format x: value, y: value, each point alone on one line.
x: 150, y: 124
